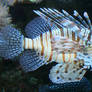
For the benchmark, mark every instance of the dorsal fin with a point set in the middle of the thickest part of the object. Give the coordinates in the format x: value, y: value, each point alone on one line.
x: 88, y: 20
x: 36, y: 27
x: 64, y: 20
x: 80, y: 18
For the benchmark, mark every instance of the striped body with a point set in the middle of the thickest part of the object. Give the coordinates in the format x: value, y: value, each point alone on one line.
x: 42, y: 44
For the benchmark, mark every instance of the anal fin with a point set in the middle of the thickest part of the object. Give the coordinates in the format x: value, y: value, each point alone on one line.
x: 30, y: 61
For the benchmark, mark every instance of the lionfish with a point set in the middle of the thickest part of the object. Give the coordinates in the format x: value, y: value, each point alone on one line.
x: 61, y: 38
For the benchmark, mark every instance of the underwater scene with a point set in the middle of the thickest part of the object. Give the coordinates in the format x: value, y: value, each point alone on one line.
x: 45, y: 46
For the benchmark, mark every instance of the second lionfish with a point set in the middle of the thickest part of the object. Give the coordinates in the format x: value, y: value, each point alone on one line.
x: 60, y: 38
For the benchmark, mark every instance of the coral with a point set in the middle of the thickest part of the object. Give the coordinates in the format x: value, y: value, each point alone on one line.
x: 5, y: 18
x: 10, y: 2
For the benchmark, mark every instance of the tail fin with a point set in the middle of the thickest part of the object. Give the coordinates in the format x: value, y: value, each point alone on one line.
x: 10, y: 42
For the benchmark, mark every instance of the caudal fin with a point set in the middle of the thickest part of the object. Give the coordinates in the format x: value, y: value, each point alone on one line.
x: 10, y: 42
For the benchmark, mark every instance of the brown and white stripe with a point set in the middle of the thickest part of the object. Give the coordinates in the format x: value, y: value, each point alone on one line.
x: 43, y: 45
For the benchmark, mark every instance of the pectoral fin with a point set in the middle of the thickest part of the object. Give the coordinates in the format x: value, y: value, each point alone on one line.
x: 68, y: 72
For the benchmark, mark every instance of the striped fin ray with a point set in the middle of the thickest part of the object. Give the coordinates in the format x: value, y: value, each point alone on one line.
x: 48, y: 19
x: 88, y: 24
x: 72, y: 19
x: 64, y: 20
x: 52, y: 15
x: 81, y: 19
x: 88, y: 20
x: 67, y: 72
x: 60, y: 17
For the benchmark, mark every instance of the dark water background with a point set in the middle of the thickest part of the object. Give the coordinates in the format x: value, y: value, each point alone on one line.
x: 12, y: 78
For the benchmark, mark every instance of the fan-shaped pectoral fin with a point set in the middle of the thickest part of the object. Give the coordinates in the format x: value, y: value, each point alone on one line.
x: 67, y: 72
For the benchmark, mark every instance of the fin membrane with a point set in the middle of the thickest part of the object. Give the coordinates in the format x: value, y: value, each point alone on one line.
x: 79, y: 86
x: 67, y: 72
x: 30, y: 61
x: 10, y: 42
x: 36, y: 27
